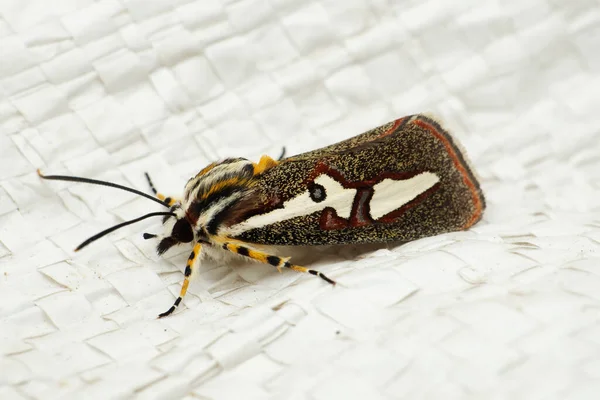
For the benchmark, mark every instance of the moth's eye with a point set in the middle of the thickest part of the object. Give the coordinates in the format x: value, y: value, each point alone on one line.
x: 317, y: 192
x: 182, y: 231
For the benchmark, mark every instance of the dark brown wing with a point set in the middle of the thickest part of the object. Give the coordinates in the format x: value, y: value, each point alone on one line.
x: 400, y: 150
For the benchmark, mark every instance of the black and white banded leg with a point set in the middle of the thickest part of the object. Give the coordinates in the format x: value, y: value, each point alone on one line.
x: 189, y: 268
x: 276, y: 261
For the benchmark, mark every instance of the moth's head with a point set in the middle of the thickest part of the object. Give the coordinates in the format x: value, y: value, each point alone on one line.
x: 178, y: 229
x: 206, y: 194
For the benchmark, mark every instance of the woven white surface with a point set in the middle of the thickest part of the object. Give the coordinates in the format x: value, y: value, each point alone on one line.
x: 112, y: 88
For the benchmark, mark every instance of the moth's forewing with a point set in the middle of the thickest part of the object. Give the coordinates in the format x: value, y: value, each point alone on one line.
x: 402, y: 181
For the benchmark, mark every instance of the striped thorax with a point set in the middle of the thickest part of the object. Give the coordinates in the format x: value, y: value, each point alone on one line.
x: 208, y: 198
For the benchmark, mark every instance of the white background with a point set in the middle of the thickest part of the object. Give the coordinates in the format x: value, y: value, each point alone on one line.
x: 110, y: 89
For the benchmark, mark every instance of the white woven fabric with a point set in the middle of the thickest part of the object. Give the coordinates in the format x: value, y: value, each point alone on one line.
x: 112, y: 88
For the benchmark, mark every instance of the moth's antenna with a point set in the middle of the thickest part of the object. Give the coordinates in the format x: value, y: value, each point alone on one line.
x: 122, y: 224
x: 97, y: 182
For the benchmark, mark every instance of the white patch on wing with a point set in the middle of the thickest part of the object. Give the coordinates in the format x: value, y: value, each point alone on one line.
x: 337, y: 197
x: 392, y: 194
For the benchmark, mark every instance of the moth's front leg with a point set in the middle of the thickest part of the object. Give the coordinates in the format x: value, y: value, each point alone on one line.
x: 166, y: 199
x: 189, y: 268
x: 276, y: 261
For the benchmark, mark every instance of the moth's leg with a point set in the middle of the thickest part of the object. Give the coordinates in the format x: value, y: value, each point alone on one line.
x: 168, y: 200
x: 190, y: 266
x: 264, y: 164
x: 276, y: 261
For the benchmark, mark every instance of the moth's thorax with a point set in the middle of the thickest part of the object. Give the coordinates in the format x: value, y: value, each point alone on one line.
x: 214, y: 190
x: 216, y: 173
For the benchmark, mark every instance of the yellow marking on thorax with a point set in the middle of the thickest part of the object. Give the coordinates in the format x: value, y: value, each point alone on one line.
x: 264, y: 164
x: 206, y: 169
x: 217, y: 187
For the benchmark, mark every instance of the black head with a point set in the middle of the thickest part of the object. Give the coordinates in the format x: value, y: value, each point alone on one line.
x: 181, y: 233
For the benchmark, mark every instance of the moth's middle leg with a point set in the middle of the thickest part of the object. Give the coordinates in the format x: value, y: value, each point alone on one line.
x: 276, y: 261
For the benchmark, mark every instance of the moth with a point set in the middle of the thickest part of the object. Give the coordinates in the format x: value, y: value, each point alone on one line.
x: 402, y: 181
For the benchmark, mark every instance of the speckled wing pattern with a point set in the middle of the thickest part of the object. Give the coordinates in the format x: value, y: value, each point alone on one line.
x: 435, y: 189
